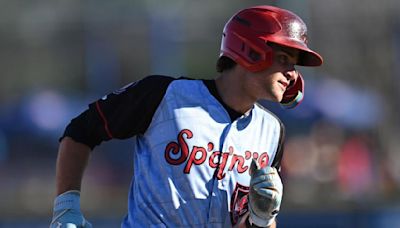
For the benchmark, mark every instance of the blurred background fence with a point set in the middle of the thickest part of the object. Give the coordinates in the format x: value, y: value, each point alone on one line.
x: 341, y: 165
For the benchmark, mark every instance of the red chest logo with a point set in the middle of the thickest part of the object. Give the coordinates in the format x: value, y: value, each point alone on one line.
x: 239, y: 202
x: 179, y: 152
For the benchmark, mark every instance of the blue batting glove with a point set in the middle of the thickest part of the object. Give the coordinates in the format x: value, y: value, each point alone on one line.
x: 67, y: 212
x: 266, y: 190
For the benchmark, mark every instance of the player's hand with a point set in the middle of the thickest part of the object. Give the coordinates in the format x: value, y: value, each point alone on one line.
x: 265, y: 195
x: 67, y: 213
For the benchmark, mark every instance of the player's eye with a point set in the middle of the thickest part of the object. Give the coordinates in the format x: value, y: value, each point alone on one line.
x: 283, y: 59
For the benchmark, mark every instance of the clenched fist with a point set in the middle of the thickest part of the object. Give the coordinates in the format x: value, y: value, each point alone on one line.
x: 265, y: 195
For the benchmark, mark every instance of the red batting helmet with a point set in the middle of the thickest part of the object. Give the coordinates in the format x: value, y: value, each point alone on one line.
x: 246, y: 33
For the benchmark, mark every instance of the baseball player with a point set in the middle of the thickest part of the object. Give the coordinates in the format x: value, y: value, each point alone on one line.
x: 205, y: 154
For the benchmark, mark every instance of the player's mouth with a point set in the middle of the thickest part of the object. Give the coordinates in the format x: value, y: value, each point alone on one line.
x: 283, y: 84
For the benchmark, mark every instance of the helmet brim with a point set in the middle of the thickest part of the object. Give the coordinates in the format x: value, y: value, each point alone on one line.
x: 307, y: 57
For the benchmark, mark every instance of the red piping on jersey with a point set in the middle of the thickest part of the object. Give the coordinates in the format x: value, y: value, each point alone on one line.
x: 104, y: 120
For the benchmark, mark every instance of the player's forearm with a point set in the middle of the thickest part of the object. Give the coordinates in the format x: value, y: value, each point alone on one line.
x: 71, y: 163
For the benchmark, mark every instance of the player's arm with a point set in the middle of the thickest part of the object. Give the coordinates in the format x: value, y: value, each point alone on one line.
x: 121, y: 114
x: 80, y: 136
x: 71, y: 163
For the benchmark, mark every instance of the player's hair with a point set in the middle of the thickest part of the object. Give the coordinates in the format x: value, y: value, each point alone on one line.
x: 225, y: 63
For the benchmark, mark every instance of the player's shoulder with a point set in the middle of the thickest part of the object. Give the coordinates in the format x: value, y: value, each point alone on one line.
x: 180, y: 83
x: 268, y: 114
x: 163, y: 79
x: 151, y: 79
x: 151, y: 82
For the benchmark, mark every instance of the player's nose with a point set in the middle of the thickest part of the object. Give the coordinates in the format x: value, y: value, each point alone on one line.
x: 291, y: 74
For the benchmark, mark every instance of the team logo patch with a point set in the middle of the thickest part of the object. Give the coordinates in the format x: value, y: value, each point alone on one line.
x: 239, y: 202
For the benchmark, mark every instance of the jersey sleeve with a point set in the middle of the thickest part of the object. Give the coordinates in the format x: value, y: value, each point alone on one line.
x: 121, y: 114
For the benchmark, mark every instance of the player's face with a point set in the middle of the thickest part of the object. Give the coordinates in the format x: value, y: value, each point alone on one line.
x: 272, y: 82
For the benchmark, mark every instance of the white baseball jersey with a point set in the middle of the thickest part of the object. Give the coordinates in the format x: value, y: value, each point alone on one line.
x: 191, y: 162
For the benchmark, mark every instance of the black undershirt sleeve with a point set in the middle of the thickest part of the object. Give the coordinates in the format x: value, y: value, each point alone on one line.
x: 122, y: 114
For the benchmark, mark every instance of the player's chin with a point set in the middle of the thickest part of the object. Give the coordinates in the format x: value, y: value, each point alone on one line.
x: 277, y: 96
x: 277, y: 93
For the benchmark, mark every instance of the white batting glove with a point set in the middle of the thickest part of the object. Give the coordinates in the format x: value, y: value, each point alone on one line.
x: 265, y: 195
x: 67, y: 212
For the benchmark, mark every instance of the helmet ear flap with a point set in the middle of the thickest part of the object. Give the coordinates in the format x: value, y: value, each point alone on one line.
x: 250, y: 52
x: 294, y: 94
x: 260, y: 58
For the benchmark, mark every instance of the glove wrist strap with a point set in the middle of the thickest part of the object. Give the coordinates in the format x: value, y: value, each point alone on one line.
x: 68, y: 200
x: 258, y: 221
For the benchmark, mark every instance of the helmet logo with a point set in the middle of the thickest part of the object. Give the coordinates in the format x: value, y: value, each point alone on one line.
x: 297, y: 30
